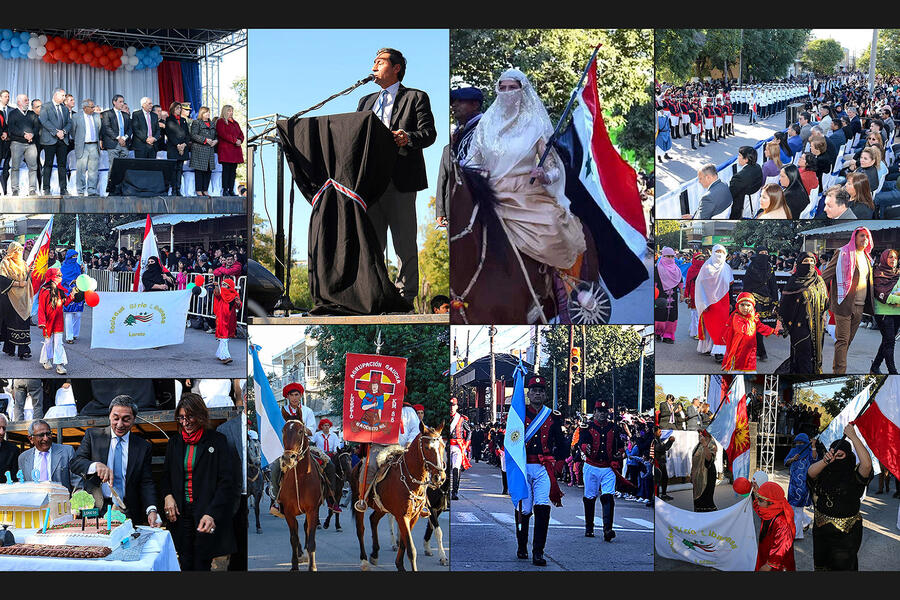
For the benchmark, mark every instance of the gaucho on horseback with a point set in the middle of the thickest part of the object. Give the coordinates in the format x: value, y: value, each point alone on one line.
x: 299, y: 411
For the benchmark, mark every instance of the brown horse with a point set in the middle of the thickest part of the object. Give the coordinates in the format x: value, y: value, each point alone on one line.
x: 483, y: 257
x: 301, y: 490
x: 402, y: 493
x: 342, y: 471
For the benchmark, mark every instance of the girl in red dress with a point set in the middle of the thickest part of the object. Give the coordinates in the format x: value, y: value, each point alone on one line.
x: 226, y: 304
x: 740, y: 335
x: 51, y: 300
x: 776, y: 535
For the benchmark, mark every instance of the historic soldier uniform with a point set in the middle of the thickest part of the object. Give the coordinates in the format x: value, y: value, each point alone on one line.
x: 685, y: 106
x: 709, y: 121
x: 460, y: 437
x: 601, y: 447
x: 546, y: 444
x: 696, y: 124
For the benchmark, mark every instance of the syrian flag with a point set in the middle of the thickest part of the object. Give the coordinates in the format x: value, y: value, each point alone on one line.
x: 602, y: 190
x: 880, y: 425
x: 269, y: 421
x: 39, y: 257
x: 730, y: 426
x: 514, y: 439
x: 148, y: 249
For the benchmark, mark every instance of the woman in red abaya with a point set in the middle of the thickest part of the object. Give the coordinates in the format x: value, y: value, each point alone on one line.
x: 711, y: 299
x: 740, y: 335
x: 776, y: 536
x: 226, y: 303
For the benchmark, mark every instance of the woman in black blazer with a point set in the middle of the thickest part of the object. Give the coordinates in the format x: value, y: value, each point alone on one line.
x: 198, y: 488
x: 178, y: 137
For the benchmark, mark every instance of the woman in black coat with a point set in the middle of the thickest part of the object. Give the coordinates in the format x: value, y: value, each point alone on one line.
x: 198, y: 487
x: 178, y: 137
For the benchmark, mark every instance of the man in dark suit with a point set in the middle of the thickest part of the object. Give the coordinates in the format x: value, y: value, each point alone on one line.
x: 745, y: 182
x: 115, y: 132
x: 5, y: 109
x: 717, y: 197
x: 406, y: 112
x: 34, y: 115
x: 145, y: 130
x: 109, y: 456
x: 49, y: 461
x: 56, y: 126
x: 837, y: 135
x: 23, y: 139
x: 9, y: 454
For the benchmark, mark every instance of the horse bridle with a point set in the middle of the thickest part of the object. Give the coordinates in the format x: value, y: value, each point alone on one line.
x: 295, y: 456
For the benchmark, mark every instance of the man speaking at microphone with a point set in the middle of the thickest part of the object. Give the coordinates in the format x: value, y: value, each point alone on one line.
x: 406, y: 112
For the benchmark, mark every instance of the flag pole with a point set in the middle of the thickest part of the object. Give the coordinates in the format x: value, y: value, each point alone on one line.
x: 566, y: 112
x: 721, y: 404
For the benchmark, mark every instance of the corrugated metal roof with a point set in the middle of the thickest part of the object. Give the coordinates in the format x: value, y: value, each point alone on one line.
x: 169, y: 220
x: 850, y: 225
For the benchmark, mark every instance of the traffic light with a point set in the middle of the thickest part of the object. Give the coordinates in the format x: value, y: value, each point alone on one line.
x: 575, y: 360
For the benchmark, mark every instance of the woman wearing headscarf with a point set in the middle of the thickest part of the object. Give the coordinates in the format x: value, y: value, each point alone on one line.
x: 70, y: 270
x: 885, y: 280
x: 154, y: 278
x: 16, y: 299
x: 795, y: 194
x: 804, y: 301
x: 837, y: 483
x: 668, y: 282
x: 226, y: 304
x: 508, y: 140
x: 759, y: 281
x: 798, y: 459
x: 711, y: 298
x: 198, y: 487
x: 776, y: 533
x: 703, y: 472
x: 690, y: 279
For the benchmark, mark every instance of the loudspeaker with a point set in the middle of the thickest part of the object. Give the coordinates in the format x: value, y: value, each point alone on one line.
x: 792, y: 113
x: 141, y: 176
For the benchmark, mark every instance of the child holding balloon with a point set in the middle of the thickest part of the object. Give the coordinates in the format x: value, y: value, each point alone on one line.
x: 71, y: 270
x: 53, y: 297
x: 226, y: 304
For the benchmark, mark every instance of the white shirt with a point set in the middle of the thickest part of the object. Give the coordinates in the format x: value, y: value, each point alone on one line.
x: 307, y: 416
x: 388, y: 104
x: 111, y: 459
x: 329, y: 443
x: 410, y: 421
x: 90, y: 128
x: 37, y: 463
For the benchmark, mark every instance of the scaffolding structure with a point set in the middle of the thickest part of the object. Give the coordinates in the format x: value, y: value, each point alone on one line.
x: 766, y: 436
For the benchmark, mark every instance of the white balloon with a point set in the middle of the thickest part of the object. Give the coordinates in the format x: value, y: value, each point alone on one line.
x: 32, y: 54
x: 40, y: 52
x: 128, y: 66
x: 92, y: 284
x: 43, y: 39
x: 34, y: 42
x: 133, y: 60
x: 130, y: 50
x: 760, y: 478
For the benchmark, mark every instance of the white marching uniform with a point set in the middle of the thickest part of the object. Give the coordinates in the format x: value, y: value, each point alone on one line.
x: 456, y: 457
x: 598, y: 479
x: 538, y: 487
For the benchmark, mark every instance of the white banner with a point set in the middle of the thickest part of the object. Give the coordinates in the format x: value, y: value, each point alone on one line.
x: 135, y: 320
x: 721, y: 539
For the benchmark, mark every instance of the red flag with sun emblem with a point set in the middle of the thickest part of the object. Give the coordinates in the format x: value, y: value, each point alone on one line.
x: 373, y: 397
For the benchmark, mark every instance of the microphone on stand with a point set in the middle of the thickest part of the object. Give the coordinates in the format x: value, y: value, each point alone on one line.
x: 367, y: 79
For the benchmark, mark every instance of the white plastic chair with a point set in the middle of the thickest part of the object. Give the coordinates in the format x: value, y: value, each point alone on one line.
x: 772, y: 179
x: 810, y: 209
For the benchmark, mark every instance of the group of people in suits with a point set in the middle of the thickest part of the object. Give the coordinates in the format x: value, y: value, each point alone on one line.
x: 30, y: 129
x: 200, y: 486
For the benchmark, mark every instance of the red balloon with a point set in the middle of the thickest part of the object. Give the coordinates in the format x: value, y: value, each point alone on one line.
x: 86, y: 58
x: 98, y: 52
x: 91, y: 44
x: 104, y: 61
x: 66, y: 45
x: 655, y: 293
x: 742, y: 486
x: 91, y: 298
x: 199, y: 280
x: 73, y: 54
x: 48, y: 58
x: 117, y: 63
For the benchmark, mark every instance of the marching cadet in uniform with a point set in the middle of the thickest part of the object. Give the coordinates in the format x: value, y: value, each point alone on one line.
x: 544, y: 443
x: 460, y: 435
x: 675, y: 117
x: 729, y: 115
x: 602, y: 451
x: 709, y: 120
x: 685, y: 106
x: 720, y: 118
x: 696, y: 124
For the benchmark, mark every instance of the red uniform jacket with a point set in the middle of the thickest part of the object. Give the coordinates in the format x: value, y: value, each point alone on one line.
x: 50, y: 318
x: 740, y: 341
x: 226, y: 315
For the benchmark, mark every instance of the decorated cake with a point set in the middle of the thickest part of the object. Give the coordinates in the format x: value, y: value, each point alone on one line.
x: 24, y: 505
x: 94, y: 534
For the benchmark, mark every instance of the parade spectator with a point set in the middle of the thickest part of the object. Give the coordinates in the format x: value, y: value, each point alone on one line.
x: 748, y: 180
x: 231, y: 154
x: 886, y: 283
x: 203, y: 143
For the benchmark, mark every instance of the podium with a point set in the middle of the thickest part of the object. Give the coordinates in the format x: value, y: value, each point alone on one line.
x: 342, y: 164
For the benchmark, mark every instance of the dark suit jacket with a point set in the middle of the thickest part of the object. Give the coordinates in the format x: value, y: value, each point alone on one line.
x: 139, y: 129
x: 838, y: 139
x: 109, y: 129
x: 214, y: 487
x: 9, y: 460
x: 412, y: 114
x: 665, y: 413
x: 140, y: 492
x: 20, y: 124
x: 715, y: 200
x: 747, y: 181
x: 177, y: 133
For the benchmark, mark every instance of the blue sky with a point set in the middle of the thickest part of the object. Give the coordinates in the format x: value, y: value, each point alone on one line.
x: 686, y: 385
x: 291, y: 70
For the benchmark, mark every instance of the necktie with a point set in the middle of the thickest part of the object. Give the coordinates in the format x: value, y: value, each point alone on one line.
x: 45, y: 469
x: 90, y: 120
x: 149, y: 128
x: 121, y: 124
x: 382, y: 99
x: 59, y: 114
x: 118, y: 471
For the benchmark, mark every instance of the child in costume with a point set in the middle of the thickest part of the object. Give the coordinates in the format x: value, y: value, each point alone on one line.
x: 52, y: 298
x: 226, y: 304
x: 740, y: 335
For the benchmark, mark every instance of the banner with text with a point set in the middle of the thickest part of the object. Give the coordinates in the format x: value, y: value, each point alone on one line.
x: 135, y: 320
x: 373, y: 397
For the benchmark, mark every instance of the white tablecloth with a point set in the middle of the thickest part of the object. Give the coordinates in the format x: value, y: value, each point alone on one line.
x: 158, y: 555
x: 678, y: 458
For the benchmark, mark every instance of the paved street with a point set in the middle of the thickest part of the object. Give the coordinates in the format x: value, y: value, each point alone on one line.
x: 682, y: 356
x: 335, y: 550
x: 483, y: 534
x: 880, y: 537
x: 194, y: 358
x: 685, y: 162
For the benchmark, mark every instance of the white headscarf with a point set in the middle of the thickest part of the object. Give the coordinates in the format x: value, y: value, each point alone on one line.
x: 713, y: 281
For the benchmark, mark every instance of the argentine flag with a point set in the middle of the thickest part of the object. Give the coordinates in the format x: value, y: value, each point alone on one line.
x: 514, y: 439
x: 269, y: 421
x: 78, y: 241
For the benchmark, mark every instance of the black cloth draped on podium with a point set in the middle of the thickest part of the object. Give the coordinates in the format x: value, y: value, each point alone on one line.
x: 342, y: 164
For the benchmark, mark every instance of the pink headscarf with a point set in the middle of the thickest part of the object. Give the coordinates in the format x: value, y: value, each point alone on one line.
x: 847, y: 263
x: 669, y: 273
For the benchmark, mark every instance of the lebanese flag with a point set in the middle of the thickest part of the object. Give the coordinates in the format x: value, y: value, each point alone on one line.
x: 148, y: 249
x: 880, y: 425
x: 602, y: 191
x: 39, y: 257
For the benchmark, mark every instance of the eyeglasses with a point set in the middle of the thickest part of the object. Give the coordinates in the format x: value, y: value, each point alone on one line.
x: 185, y: 418
x: 44, y: 434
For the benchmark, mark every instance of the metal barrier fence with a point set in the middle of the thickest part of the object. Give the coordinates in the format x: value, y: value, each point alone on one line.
x: 122, y: 281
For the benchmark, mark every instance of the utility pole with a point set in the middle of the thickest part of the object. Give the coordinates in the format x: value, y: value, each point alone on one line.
x: 873, y: 52
x: 537, y: 348
x: 555, y: 401
x: 492, y: 331
x: 641, y: 372
x: 571, y: 345
x: 741, y: 59
x: 583, y: 369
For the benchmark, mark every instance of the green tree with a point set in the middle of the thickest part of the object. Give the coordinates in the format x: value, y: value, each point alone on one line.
x: 823, y: 55
x: 836, y: 403
x: 721, y: 49
x: 767, y: 53
x: 780, y: 236
x: 668, y: 234
x: 426, y: 348
x: 434, y: 263
x: 554, y: 59
x: 96, y: 230
x: 887, y: 61
x: 676, y: 52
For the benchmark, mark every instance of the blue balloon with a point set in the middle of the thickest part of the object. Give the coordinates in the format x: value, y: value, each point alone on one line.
x: 23, y: 50
x: 25, y: 36
x: 5, y: 46
x: 15, y: 41
x: 6, y: 33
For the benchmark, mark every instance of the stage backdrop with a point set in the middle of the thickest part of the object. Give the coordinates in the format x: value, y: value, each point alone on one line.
x: 38, y: 79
